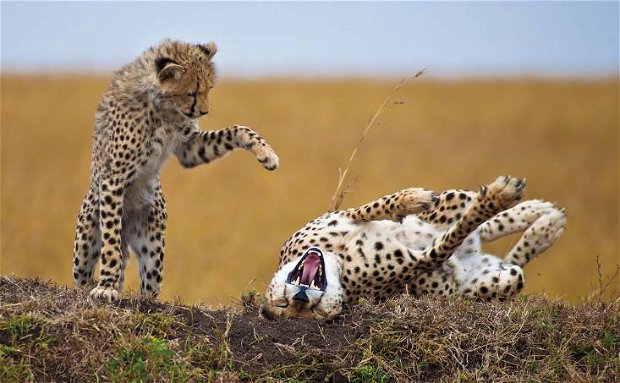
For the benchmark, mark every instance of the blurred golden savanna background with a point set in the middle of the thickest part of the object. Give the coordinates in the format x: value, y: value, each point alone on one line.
x: 511, y: 88
x: 229, y: 219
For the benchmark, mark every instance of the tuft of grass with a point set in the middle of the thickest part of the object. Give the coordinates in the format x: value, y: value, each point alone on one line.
x: 154, y: 324
x: 14, y: 370
x: 21, y: 336
x: 147, y: 359
x: 369, y: 373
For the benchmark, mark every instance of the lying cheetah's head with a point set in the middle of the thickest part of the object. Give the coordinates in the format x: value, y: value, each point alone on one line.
x: 185, y: 74
x: 307, y: 287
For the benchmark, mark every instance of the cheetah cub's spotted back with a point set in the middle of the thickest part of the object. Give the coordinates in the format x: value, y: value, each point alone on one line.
x: 148, y: 112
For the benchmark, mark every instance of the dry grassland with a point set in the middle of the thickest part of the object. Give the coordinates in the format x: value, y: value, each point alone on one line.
x: 529, y: 339
x: 229, y: 219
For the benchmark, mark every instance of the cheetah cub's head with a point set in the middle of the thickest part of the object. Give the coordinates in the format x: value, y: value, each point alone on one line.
x: 307, y: 287
x: 185, y: 75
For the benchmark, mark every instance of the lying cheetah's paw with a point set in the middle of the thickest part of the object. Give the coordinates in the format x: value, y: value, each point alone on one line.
x: 415, y: 201
x: 550, y: 227
x: 504, y: 191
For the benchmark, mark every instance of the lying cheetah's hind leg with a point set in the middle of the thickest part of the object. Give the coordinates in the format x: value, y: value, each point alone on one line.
x: 542, y: 222
x: 490, y: 278
x: 537, y: 238
x: 393, y: 207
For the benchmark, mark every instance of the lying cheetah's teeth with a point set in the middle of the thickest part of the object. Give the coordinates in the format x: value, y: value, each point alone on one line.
x: 296, y: 281
x: 313, y: 286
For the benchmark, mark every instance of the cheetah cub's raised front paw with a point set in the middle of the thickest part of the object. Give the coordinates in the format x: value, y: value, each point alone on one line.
x: 108, y: 294
x: 267, y: 156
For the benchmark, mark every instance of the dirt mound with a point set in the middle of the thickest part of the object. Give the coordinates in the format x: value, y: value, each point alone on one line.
x: 51, y: 333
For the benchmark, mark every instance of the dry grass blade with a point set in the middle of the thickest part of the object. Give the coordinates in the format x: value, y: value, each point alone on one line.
x: 343, y: 187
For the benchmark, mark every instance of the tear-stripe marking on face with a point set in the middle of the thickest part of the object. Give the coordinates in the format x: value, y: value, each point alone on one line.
x: 195, y: 97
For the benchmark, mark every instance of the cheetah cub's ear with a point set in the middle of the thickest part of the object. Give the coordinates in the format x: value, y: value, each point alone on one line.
x: 168, y: 69
x: 209, y: 49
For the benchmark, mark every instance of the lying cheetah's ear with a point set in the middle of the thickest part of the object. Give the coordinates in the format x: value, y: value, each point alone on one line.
x: 209, y: 49
x: 168, y: 68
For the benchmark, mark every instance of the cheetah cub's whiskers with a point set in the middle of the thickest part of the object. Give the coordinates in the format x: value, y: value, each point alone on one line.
x: 148, y: 112
x: 412, y: 241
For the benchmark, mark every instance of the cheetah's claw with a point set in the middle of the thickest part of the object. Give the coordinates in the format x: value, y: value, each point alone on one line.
x: 105, y: 293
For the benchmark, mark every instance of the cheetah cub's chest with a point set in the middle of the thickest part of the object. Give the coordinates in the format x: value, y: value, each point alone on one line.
x: 158, y: 148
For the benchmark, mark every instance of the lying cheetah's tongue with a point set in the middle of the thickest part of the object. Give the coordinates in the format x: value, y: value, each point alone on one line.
x: 311, y: 267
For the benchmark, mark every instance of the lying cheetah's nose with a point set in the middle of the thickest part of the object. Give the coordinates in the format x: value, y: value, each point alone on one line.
x: 301, y: 296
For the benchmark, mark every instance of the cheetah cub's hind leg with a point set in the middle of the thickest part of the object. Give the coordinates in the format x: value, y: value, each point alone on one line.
x: 87, y: 245
x: 146, y: 238
x: 542, y: 222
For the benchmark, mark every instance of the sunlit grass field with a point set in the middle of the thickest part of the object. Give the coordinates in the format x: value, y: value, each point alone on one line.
x: 228, y: 220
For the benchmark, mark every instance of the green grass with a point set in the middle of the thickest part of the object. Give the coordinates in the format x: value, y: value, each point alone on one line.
x: 148, y: 359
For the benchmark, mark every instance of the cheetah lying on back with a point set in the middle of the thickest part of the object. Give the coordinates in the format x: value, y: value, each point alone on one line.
x: 415, y: 241
x: 148, y: 113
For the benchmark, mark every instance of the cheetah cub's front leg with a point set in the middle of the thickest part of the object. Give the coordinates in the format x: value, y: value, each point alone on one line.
x: 203, y: 147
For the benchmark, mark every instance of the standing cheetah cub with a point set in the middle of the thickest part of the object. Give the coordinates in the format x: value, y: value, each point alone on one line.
x: 415, y: 241
x: 148, y: 112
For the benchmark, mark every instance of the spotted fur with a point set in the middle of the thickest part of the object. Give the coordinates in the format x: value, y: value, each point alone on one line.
x: 436, y: 249
x: 148, y: 112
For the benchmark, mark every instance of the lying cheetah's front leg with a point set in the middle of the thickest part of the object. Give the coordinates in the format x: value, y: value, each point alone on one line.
x: 491, y: 199
x: 449, y: 207
x: 202, y: 147
x: 393, y: 207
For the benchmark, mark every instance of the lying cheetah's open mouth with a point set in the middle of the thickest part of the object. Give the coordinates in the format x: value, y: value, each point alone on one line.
x: 309, y: 271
